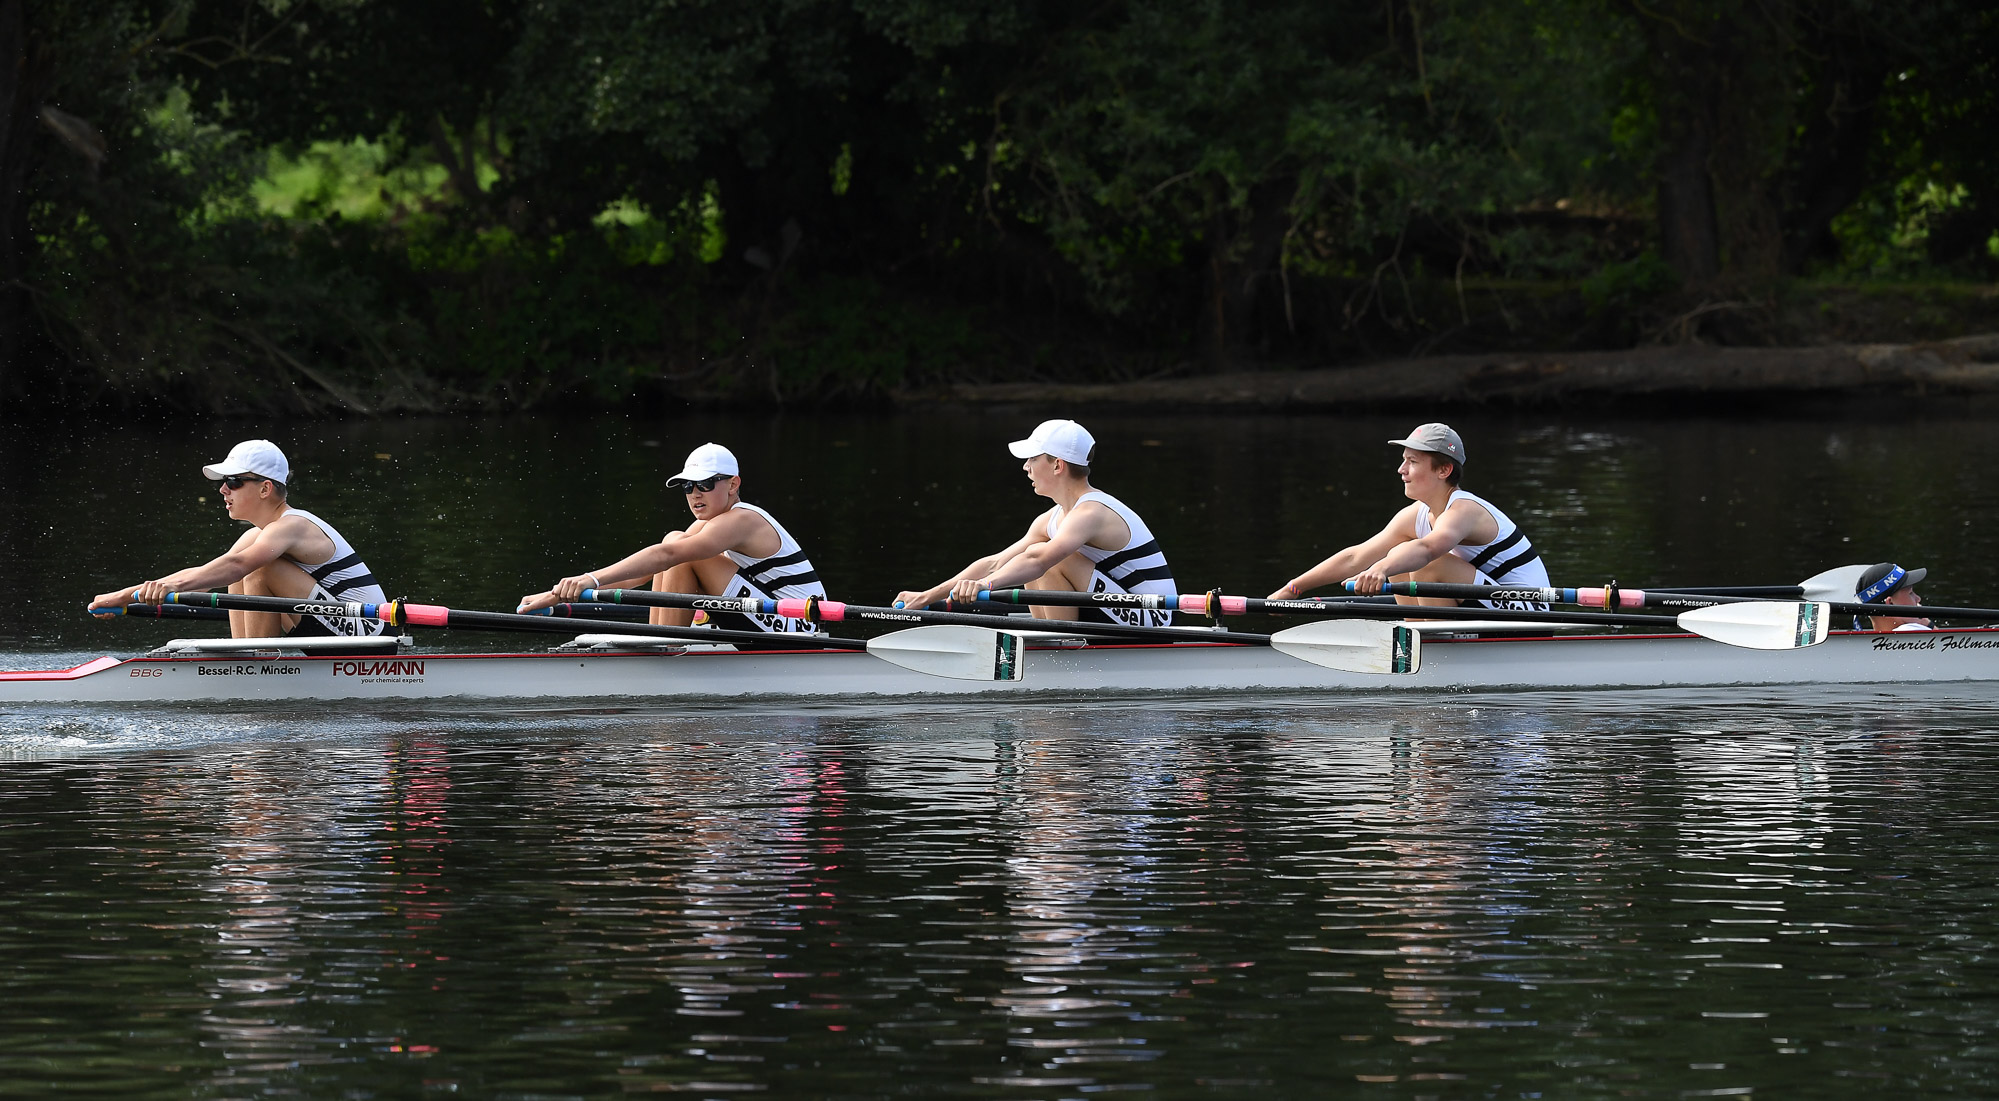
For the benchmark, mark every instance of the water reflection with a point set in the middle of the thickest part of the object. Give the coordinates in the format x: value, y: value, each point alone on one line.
x: 1490, y: 895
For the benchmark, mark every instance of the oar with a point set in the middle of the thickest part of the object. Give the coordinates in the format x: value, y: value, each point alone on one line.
x: 920, y: 650
x: 1652, y: 598
x: 402, y: 613
x: 1838, y: 583
x: 1758, y: 625
x: 159, y: 611
x: 1352, y: 647
x: 596, y: 610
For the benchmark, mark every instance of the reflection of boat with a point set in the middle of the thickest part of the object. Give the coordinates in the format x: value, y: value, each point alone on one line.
x: 597, y: 667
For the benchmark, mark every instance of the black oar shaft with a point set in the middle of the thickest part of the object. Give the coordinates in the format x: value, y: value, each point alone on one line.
x: 1767, y: 592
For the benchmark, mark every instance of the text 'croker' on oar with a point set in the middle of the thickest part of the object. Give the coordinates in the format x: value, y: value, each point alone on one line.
x: 1765, y: 626
x: 1352, y: 647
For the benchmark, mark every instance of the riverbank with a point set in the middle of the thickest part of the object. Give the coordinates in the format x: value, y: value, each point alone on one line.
x: 1965, y: 366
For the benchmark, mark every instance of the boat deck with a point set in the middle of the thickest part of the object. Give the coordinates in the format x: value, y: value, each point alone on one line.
x: 605, y: 669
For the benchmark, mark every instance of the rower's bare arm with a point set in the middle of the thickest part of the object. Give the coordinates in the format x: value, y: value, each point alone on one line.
x: 703, y: 539
x: 1464, y: 522
x: 1347, y: 562
x: 257, y: 548
x: 1089, y: 524
x: 1025, y: 560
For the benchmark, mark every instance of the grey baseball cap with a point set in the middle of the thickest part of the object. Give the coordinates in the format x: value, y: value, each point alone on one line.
x: 1436, y: 437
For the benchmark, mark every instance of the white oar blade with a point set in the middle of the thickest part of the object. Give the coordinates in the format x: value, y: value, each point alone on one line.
x: 1354, y: 645
x: 1762, y: 625
x: 951, y: 650
x: 1837, y: 585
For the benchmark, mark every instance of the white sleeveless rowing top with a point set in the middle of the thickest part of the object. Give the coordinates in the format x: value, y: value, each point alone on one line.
x: 786, y: 574
x: 344, y: 576
x: 1509, y: 559
x: 1137, y: 567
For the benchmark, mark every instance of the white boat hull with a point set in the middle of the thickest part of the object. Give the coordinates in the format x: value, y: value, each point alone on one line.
x: 1553, y: 663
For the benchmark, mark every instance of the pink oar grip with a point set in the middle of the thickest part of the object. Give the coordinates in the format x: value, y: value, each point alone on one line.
x: 1235, y: 605
x: 830, y: 611
x: 1191, y: 602
x: 427, y: 615
x: 1600, y: 598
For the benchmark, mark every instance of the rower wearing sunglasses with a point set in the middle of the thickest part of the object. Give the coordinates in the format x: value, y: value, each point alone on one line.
x: 732, y: 549
x: 287, y: 552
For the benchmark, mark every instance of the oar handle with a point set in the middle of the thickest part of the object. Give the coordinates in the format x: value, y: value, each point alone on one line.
x: 158, y: 611
x: 593, y: 610
x: 653, y: 598
x: 331, y: 609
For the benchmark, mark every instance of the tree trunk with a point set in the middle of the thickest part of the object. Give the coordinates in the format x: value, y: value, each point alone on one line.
x: 1689, y: 233
x: 1838, y: 130
x: 1241, y: 255
x: 18, y: 101
x: 1720, y: 75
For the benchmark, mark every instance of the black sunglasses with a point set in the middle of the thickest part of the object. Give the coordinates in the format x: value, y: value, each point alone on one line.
x: 704, y: 485
x: 235, y: 481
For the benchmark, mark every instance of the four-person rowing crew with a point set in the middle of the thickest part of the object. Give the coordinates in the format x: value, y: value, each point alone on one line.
x: 1088, y: 542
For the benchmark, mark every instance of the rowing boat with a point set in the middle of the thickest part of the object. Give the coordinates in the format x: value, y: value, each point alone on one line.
x: 1455, y: 657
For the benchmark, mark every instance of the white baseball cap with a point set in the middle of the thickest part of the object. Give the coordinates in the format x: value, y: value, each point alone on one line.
x: 259, y: 457
x: 705, y: 462
x: 1439, y: 438
x: 1065, y: 440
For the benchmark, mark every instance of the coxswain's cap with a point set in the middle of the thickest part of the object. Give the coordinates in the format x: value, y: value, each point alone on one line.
x: 1435, y: 437
x: 705, y: 462
x: 1885, y: 578
x: 1064, y: 440
x: 259, y: 457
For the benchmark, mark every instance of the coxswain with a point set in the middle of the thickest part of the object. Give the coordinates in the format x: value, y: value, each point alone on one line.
x: 732, y: 549
x: 1446, y: 535
x: 288, y: 552
x: 1888, y: 584
x: 1088, y: 542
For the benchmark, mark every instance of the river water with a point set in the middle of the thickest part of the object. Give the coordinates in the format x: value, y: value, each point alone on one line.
x: 1530, y: 895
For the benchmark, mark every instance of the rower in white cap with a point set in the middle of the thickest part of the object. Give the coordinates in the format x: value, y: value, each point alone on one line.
x: 1447, y: 535
x: 732, y: 549
x: 287, y: 552
x: 1089, y: 542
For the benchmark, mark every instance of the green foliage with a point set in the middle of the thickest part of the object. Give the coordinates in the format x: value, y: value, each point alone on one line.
x: 507, y: 201
x: 1621, y: 287
x: 851, y: 338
